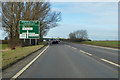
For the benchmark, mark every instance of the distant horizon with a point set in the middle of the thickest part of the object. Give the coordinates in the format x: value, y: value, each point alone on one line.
x: 98, y: 18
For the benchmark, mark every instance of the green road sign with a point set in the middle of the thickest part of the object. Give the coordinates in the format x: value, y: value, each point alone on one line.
x: 29, y: 29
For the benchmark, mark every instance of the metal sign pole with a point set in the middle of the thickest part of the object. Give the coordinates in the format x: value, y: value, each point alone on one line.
x: 30, y: 41
x: 24, y: 40
x: 35, y: 41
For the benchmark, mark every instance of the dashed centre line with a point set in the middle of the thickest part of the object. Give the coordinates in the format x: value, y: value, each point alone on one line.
x: 99, y: 58
x: 86, y: 52
x: 73, y: 47
x: 68, y: 46
x: 111, y: 62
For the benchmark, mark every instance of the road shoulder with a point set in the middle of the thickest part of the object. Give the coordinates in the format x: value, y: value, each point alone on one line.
x: 101, y: 47
x: 12, y: 70
x: 96, y: 46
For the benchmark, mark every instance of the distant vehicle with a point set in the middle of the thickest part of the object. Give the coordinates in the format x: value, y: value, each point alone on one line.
x: 55, y: 41
x: 44, y: 40
x: 47, y: 39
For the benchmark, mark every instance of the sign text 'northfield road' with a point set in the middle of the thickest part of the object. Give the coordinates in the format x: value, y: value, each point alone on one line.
x: 29, y: 29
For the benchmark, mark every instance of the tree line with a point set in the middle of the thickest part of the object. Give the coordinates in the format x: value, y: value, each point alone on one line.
x: 79, y: 35
x: 12, y: 12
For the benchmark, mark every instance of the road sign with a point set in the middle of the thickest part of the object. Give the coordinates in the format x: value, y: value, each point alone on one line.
x: 29, y: 29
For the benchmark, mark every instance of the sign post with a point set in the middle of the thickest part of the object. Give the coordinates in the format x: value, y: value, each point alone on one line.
x: 24, y: 40
x: 30, y: 41
x: 35, y: 41
x: 29, y: 30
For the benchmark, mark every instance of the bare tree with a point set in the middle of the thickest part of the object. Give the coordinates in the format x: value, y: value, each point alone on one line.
x: 79, y: 34
x: 12, y: 12
x: 72, y: 36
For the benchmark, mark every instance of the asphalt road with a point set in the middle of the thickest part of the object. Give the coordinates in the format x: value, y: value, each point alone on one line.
x: 69, y: 60
x: 109, y: 54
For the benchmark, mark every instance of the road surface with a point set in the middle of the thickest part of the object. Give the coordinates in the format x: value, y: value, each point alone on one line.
x: 70, y: 60
x: 62, y: 61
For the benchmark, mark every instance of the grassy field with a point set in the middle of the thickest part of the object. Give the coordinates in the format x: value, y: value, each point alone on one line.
x: 14, y: 55
x: 4, y: 46
x: 112, y: 44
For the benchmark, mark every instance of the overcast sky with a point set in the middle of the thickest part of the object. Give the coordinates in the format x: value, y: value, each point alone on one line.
x: 99, y: 19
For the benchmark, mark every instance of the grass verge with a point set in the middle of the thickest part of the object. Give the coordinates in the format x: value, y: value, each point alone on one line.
x: 12, y: 56
x: 112, y: 44
x: 4, y: 46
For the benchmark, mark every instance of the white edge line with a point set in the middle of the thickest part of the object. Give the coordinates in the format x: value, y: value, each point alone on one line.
x: 111, y: 62
x: 23, y: 69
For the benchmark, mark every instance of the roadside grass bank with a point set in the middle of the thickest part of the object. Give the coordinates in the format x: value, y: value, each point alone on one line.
x: 111, y: 44
x: 12, y: 56
x: 4, y: 46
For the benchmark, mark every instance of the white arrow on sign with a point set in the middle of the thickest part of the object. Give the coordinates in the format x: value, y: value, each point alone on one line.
x: 24, y: 28
x: 27, y: 33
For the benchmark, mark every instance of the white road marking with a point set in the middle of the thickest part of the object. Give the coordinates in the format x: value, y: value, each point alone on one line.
x: 28, y: 65
x: 73, y: 47
x: 101, y: 59
x: 80, y: 50
x: 86, y: 52
x: 68, y: 46
x: 111, y: 62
